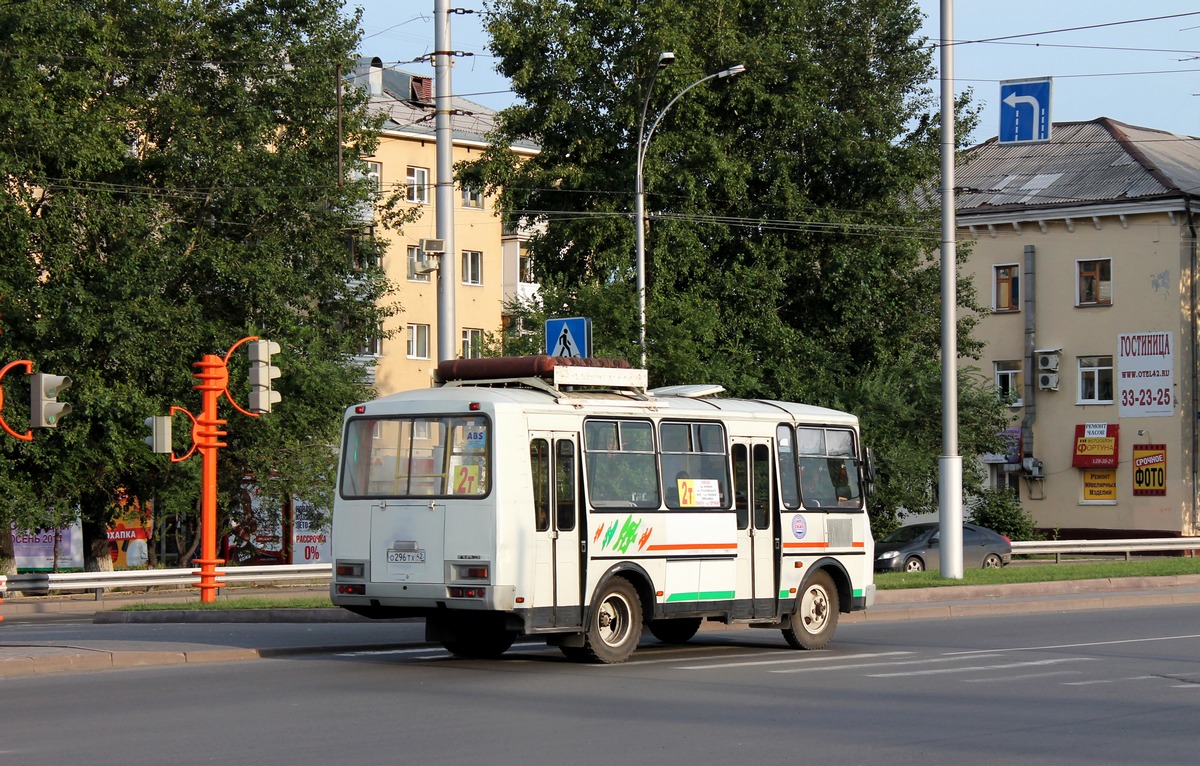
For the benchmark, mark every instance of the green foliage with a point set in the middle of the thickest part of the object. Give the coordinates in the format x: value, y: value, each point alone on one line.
x: 171, y: 185
x: 788, y: 253
x: 1000, y: 509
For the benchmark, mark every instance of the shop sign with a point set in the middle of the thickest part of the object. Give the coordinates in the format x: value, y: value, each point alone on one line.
x: 1095, y: 445
x: 1150, y: 469
x: 1099, y: 485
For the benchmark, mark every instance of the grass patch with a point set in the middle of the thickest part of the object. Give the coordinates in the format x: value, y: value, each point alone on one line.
x: 1026, y: 572
x: 248, y: 602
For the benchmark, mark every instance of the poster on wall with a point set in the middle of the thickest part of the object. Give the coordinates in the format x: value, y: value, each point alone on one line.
x: 1095, y: 445
x: 1146, y: 375
x: 1150, y: 469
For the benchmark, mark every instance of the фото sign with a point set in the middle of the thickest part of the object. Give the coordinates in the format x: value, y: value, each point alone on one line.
x: 1150, y: 469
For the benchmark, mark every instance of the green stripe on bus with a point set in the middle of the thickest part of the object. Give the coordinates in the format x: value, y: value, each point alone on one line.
x: 858, y: 592
x: 784, y: 594
x: 708, y: 595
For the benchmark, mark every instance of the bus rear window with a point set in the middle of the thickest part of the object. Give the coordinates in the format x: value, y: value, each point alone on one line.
x: 425, y: 456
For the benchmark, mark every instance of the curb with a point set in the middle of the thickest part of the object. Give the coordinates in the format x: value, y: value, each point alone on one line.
x: 159, y: 616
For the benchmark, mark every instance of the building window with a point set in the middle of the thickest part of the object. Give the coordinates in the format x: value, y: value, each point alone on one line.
x: 375, y: 177
x: 373, y: 345
x: 1007, y: 293
x: 472, y: 267
x: 417, y: 183
x: 414, y: 265
x: 524, y: 264
x: 472, y: 343
x: 471, y: 196
x: 364, y: 254
x: 1095, y: 380
x: 1095, y: 283
x: 418, y: 341
x: 1008, y: 382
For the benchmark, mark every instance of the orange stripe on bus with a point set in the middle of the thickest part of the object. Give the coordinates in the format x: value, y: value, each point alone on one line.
x: 806, y: 545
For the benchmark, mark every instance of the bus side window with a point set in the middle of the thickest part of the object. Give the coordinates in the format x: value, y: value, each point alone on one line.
x: 762, y: 487
x: 539, y: 463
x: 564, y: 484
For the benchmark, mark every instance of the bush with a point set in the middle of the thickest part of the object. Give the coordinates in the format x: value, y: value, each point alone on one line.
x: 1001, y: 510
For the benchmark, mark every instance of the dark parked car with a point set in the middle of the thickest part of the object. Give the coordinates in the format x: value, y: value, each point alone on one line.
x: 916, y: 548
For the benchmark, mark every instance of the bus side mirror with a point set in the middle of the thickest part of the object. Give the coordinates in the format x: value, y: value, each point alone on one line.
x: 868, y: 469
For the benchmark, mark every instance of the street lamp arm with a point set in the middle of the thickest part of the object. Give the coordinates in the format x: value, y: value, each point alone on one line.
x: 639, y: 197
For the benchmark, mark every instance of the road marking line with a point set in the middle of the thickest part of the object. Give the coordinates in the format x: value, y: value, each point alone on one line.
x: 791, y: 661
x: 1023, y: 677
x: 1005, y: 666
x: 1072, y: 646
x: 872, y: 664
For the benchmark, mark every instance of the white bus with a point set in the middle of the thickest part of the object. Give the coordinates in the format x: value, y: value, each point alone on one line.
x: 559, y: 499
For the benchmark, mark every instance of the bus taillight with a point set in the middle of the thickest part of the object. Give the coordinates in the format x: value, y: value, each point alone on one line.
x: 352, y: 590
x: 456, y: 592
x: 349, y: 570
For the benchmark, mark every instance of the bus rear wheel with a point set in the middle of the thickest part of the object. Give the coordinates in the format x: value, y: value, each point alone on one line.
x: 676, y: 631
x: 816, y: 616
x: 615, y: 623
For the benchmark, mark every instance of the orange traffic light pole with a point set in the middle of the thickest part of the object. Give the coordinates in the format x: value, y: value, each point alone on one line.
x: 213, y: 377
x: 28, y: 365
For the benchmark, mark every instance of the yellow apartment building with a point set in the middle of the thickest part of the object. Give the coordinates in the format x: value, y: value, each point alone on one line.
x: 1084, y: 249
x: 490, y: 263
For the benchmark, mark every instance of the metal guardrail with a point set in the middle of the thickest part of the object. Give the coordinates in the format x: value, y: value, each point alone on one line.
x: 44, y: 582
x: 1120, y: 546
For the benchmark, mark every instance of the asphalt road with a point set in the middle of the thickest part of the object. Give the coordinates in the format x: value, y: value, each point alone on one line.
x: 1088, y: 687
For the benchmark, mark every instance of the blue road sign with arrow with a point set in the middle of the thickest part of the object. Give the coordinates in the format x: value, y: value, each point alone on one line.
x: 569, y: 337
x: 1025, y: 110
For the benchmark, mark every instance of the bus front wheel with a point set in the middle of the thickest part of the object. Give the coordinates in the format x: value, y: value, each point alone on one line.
x: 816, y: 616
x: 615, y: 624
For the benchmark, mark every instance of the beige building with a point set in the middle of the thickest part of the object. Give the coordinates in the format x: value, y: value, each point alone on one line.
x: 1084, y: 248
x: 489, y: 262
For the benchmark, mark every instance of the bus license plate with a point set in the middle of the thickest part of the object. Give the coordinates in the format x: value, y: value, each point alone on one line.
x: 406, y: 557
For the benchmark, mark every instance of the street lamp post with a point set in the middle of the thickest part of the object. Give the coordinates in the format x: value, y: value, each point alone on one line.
x: 639, y: 201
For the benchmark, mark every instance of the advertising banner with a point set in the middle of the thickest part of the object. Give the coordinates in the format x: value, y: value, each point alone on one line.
x: 1095, y: 445
x: 1150, y: 469
x: 311, y: 542
x: 129, y: 532
x: 1146, y: 375
x: 35, y: 550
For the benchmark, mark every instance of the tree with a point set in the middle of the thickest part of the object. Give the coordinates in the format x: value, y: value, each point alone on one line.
x: 171, y: 185
x: 790, y: 254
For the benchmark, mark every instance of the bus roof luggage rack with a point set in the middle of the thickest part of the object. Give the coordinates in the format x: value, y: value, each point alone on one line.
x: 538, y: 371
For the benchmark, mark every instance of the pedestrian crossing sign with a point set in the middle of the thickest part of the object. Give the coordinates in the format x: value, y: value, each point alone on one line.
x: 569, y: 337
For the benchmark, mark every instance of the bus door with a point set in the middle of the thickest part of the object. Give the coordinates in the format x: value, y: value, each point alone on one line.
x: 558, y: 546
x: 754, y: 502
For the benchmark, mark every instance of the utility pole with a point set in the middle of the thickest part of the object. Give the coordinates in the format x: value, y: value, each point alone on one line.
x: 443, y: 58
x: 950, y: 516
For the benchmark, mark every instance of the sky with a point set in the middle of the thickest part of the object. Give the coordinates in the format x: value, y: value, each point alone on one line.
x: 1144, y: 72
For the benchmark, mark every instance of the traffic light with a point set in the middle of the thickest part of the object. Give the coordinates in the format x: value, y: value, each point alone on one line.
x: 44, y: 408
x: 261, y: 374
x: 159, y: 439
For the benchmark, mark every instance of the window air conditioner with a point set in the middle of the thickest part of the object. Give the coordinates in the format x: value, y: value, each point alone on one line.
x: 1048, y: 381
x: 432, y: 246
x: 1047, y: 362
x: 1033, y: 467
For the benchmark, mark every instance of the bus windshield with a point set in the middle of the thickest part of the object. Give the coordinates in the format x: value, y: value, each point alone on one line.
x: 422, y: 456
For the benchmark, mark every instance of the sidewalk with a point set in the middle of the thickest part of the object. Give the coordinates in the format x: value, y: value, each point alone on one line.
x: 165, y: 641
